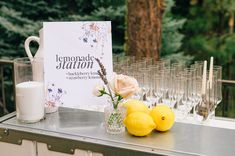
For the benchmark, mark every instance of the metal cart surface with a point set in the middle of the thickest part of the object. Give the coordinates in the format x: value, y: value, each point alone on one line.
x: 70, y: 129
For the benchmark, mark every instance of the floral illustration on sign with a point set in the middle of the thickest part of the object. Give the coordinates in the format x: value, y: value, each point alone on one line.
x: 54, y: 95
x: 95, y: 34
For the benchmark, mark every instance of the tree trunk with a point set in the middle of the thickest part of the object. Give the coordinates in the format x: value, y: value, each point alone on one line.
x: 144, y: 28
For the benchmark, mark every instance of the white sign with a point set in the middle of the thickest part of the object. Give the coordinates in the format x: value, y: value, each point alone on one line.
x: 69, y: 64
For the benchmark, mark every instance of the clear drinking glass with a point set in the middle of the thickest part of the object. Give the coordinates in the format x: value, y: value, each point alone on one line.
x: 30, y: 97
x: 218, y: 71
x: 188, y: 97
x: 151, y: 97
x: 217, y: 89
x: 212, y: 96
x: 179, y: 67
x: 117, y: 68
x: 141, y: 64
x: 144, y: 82
x: 179, y: 108
x: 199, y: 69
x: 138, y: 77
x: 202, y: 111
x: 149, y: 61
x: 168, y: 86
x: 165, y: 62
x: 156, y: 90
x: 198, y: 90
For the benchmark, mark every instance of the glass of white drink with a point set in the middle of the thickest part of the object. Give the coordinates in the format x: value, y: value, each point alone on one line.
x: 30, y: 94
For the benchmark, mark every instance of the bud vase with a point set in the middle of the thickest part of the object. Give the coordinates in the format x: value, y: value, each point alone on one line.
x: 51, y: 107
x: 114, y: 119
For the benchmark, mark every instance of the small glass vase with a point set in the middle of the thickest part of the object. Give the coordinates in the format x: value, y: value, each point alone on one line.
x: 114, y: 119
x: 51, y: 107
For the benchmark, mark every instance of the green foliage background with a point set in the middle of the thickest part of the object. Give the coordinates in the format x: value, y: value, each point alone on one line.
x: 22, y: 18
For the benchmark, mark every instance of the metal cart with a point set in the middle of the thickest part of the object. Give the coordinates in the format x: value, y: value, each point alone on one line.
x: 80, y: 132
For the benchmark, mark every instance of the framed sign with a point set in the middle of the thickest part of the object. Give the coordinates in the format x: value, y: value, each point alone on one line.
x: 69, y: 65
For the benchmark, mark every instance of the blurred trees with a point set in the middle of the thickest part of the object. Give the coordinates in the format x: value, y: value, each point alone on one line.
x: 209, y: 31
x: 144, y: 28
x: 172, y: 38
x: 153, y: 32
x: 20, y: 19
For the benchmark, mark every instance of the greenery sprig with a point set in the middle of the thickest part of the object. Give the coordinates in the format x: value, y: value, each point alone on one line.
x: 115, y: 97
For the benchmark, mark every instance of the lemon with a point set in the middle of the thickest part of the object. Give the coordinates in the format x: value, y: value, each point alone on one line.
x: 163, y: 117
x: 139, y: 124
x: 135, y: 106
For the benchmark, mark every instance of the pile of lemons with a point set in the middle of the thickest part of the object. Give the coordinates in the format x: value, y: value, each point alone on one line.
x: 140, y: 120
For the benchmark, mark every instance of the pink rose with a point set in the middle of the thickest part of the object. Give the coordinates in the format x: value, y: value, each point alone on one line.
x: 124, y: 85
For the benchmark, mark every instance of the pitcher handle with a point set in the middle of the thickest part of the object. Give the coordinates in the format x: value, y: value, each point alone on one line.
x: 26, y: 45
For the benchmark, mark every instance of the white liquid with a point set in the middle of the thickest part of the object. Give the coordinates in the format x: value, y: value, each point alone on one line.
x: 30, y: 101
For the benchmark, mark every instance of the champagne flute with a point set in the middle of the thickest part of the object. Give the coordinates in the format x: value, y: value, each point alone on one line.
x: 144, y: 82
x: 202, y: 110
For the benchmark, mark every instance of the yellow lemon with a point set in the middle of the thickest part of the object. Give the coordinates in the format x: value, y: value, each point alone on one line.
x: 163, y: 117
x: 139, y: 124
x: 135, y: 106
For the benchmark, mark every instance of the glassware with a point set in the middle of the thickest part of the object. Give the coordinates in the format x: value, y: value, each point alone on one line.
x: 168, y: 84
x: 218, y: 71
x: 30, y: 97
x: 156, y: 90
x: 117, y: 67
x: 179, y: 108
x: 151, y: 97
x: 144, y: 82
x: 188, y: 84
x: 197, y: 92
x: 212, y: 98
x: 192, y: 91
x: 114, y: 119
x: 179, y: 67
x: 138, y: 77
x: 141, y: 64
x: 199, y: 68
x: 149, y: 62
x: 164, y: 62
x: 216, y: 87
x: 203, y: 109
x: 174, y: 84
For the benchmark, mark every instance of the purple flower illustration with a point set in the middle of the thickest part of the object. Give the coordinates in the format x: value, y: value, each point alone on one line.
x: 54, y: 95
x: 85, y: 40
x: 95, y: 34
x: 60, y: 90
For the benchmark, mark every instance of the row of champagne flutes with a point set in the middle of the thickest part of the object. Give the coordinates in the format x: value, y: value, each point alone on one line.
x: 183, y: 87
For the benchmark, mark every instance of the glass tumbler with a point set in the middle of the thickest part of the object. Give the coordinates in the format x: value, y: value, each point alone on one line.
x: 30, y: 97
